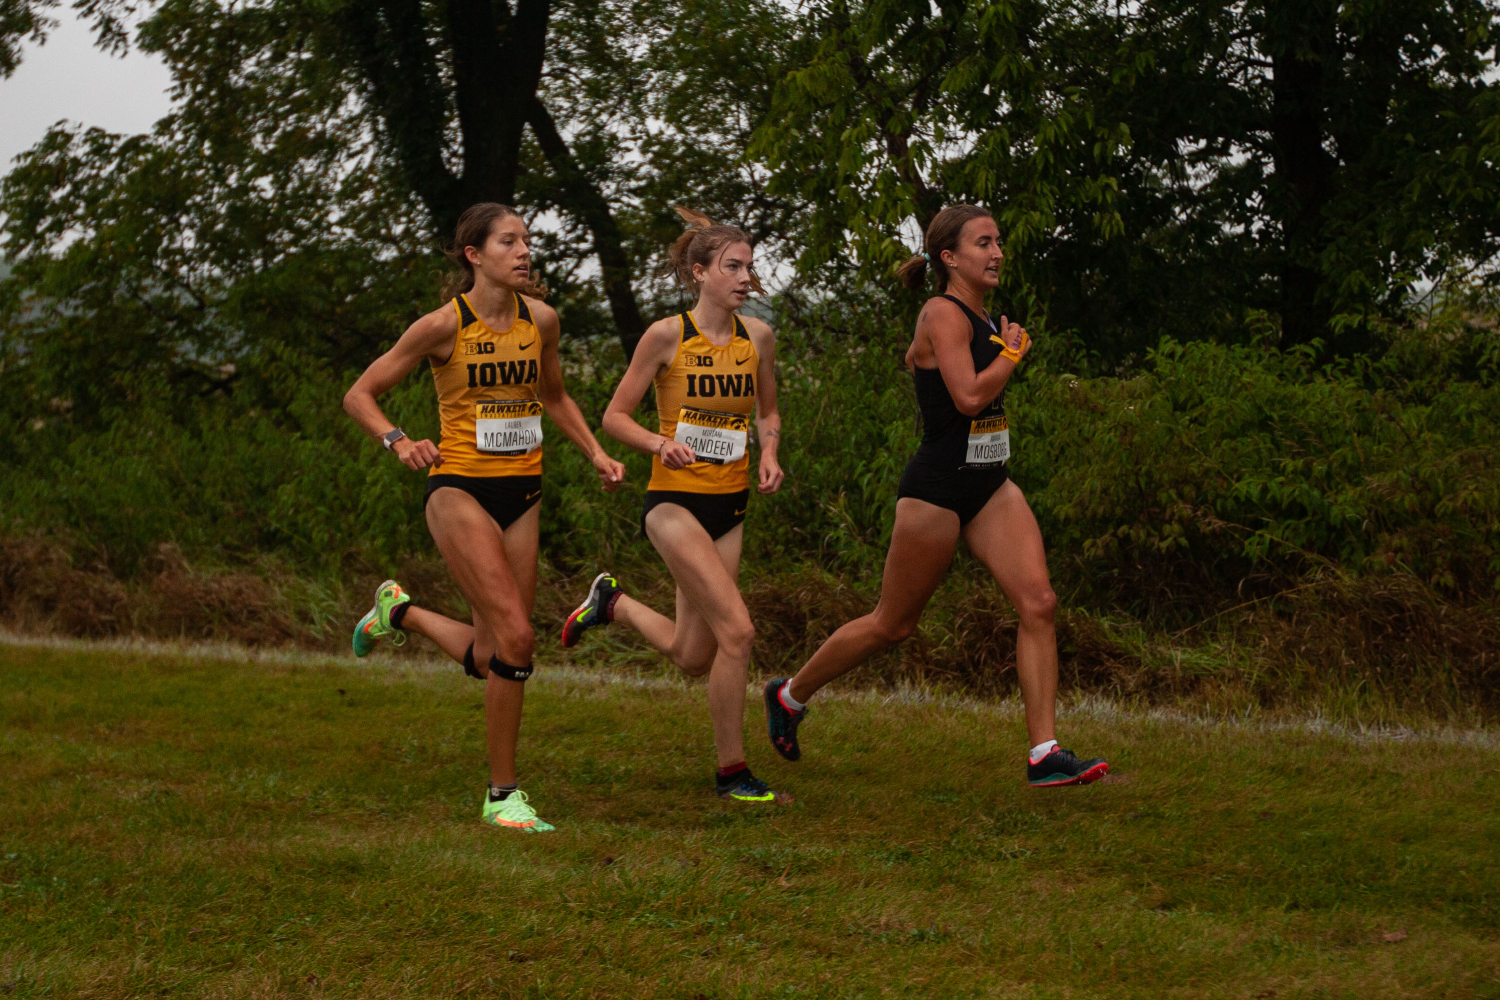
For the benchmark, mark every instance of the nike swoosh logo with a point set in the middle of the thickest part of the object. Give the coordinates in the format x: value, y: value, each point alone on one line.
x: 741, y: 362
x: 532, y: 496
x: 524, y: 346
x: 739, y: 512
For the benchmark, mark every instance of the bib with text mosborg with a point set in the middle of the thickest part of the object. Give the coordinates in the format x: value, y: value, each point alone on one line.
x: 507, y: 427
x: 989, y: 442
x: 715, y: 437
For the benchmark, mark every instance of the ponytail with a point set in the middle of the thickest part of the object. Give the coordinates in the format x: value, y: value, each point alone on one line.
x: 942, y: 234
x: 912, y: 272
x: 703, y: 242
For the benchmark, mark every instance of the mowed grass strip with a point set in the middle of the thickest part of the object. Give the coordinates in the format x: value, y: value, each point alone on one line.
x: 184, y: 826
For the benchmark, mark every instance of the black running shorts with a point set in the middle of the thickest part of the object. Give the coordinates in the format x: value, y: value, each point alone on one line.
x: 505, y: 498
x: 717, y: 512
x: 964, y: 493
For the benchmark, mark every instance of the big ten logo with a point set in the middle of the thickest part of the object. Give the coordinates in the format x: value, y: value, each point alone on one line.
x: 482, y: 347
x: 698, y: 361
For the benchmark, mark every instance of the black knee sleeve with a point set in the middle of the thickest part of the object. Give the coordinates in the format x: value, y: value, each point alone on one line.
x: 469, y: 667
x: 509, y: 672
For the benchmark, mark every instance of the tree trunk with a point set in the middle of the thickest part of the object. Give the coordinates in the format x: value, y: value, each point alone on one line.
x: 1301, y: 45
x: 387, y: 39
x: 581, y: 198
x: 497, y: 67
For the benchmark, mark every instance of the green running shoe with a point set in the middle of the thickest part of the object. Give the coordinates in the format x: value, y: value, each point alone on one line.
x: 593, y: 611
x: 514, y: 813
x: 376, y: 624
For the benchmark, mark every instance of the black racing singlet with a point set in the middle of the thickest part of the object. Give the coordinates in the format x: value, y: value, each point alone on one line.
x: 962, y: 459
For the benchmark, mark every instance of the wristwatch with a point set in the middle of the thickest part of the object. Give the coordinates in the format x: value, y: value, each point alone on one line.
x: 392, y: 437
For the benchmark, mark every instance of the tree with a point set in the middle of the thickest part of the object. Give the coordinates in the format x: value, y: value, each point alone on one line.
x: 1173, y: 166
x: 486, y: 71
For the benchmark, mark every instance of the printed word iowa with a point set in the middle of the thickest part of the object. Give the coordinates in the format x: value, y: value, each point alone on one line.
x: 491, y: 373
x: 708, y: 386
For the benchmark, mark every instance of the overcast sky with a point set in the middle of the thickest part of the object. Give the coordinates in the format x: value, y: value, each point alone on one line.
x: 69, y: 78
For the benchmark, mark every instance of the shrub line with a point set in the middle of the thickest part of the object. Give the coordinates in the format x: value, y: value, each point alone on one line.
x: 1086, y: 706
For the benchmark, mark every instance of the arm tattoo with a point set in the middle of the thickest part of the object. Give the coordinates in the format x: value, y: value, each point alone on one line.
x: 773, y: 434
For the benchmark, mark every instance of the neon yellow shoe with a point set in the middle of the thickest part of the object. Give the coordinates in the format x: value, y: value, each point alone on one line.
x: 376, y: 624
x: 742, y: 786
x: 514, y: 813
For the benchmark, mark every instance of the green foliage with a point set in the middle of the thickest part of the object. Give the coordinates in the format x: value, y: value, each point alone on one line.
x: 1172, y: 168
x: 1215, y: 475
x: 1238, y: 470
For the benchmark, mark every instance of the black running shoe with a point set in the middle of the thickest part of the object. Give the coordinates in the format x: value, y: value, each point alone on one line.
x: 742, y: 786
x: 782, y: 722
x: 593, y: 611
x: 1062, y: 767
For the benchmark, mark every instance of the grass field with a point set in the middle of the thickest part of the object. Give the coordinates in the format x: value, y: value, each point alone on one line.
x: 186, y: 824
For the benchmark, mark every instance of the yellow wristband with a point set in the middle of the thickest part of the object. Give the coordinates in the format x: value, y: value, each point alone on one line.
x: 1016, y: 354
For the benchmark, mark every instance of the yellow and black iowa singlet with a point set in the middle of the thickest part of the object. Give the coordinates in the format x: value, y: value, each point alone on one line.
x: 705, y: 400
x: 487, y: 398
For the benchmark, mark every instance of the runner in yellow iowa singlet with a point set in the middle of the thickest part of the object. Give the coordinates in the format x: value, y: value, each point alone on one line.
x: 714, y: 371
x: 493, y: 352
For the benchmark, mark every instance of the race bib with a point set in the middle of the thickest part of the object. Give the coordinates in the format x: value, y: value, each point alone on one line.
x: 989, y: 442
x: 715, y: 437
x: 508, y: 427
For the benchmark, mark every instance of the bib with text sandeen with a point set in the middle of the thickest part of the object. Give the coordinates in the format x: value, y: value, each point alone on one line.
x: 508, y: 427
x: 989, y: 442
x: 715, y: 437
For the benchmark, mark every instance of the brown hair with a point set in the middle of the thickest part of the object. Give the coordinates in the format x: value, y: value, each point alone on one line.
x: 942, y: 234
x: 473, y: 230
x: 703, y: 242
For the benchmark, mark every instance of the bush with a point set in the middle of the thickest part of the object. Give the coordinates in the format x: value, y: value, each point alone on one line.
x: 1221, y: 498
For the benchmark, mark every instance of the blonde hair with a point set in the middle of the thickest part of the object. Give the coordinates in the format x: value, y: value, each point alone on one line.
x: 702, y: 243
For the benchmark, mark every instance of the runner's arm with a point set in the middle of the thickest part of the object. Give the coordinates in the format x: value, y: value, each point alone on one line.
x: 655, y: 351
x: 426, y: 338
x: 560, y: 406
x: 949, y: 331
x: 767, y: 416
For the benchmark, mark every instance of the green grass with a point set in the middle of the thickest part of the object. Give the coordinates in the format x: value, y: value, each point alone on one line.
x: 190, y: 825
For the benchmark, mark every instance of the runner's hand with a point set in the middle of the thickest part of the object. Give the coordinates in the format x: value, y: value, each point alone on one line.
x: 417, y: 455
x: 676, y: 455
x: 1015, y: 337
x: 770, y: 474
x: 611, y: 473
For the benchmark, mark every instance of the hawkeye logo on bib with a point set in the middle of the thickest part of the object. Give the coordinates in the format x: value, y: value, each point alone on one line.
x: 989, y: 442
x: 508, y: 427
x: 719, y: 438
x: 708, y: 386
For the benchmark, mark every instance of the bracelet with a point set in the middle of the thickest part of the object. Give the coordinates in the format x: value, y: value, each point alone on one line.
x: 660, y: 446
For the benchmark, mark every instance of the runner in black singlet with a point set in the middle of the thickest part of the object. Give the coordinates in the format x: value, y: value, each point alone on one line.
x: 949, y: 469
x: 956, y: 486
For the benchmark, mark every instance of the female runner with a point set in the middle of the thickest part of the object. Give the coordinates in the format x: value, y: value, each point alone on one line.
x: 712, y: 368
x: 956, y: 486
x: 493, y: 353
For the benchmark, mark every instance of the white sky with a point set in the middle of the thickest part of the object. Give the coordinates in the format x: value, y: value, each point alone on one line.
x: 69, y: 78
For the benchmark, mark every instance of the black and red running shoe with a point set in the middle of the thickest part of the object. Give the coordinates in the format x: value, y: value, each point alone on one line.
x: 1062, y: 767
x: 782, y: 722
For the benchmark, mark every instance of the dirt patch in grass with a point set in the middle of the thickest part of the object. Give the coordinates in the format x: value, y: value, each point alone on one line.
x: 1349, y: 647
